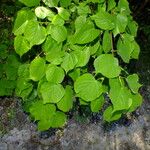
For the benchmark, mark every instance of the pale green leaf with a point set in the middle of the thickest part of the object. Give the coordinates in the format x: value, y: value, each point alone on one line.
x: 133, y: 82
x: 66, y: 103
x: 122, y: 99
x: 87, y: 88
x: 104, y: 20
x: 43, y: 12
x: 109, y: 116
x: 37, y: 69
x: 59, y: 33
x: 51, y: 3
x: 54, y: 74
x: 69, y: 62
x: 136, y: 102
x: 107, y: 65
x: 107, y: 46
x: 58, y: 120
x: 21, y: 45
x: 63, y: 13
x: 97, y: 104
x: 52, y: 93
x: 23, y: 16
x: 35, y: 33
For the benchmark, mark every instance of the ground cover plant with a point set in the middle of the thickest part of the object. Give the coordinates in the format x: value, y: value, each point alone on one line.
x: 73, y: 50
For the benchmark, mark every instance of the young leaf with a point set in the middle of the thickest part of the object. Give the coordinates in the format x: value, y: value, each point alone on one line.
x: 66, y: 103
x: 107, y: 46
x: 104, y: 20
x: 87, y: 88
x: 109, y: 116
x: 109, y: 70
x: 54, y: 74
x: 43, y: 12
x: 133, y: 83
x: 97, y: 104
x: 52, y: 93
x: 37, y: 69
x: 30, y: 3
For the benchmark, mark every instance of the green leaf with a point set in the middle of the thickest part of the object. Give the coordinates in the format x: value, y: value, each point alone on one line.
x: 136, y: 102
x: 51, y: 3
x: 23, y: 88
x: 107, y: 46
x: 51, y: 92
x: 109, y: 116
x: 83, y: 9
x: 125, y: 48
x: 21, y: 45
x: 42, y: 113
x: 50, y: 45
x: 82, y: 57
x: 109, y: 70
x: 85, y: 34
x: 37, y: 69
x: 65, y: 3
x: 23, y: 71
x: 123, y: 6
x: 43, y: 12
x: 58, y: 120
x: 133, y: 83
x: 57, y: 20
x: 54, y: 74
x: 66, y: 103
x: 59, y: 33
x: 97, y: 104
x: 122, y: 99
x: 111, y: 4
x: 69, y: 62
x: 87, y: 88
x: 30, y: 3
x: 136, y: 50
x: 74, y: 74
x: 94, y: 48
x: 35, y: 33
x: 80, y: 21
x: 23, y: 17
x: 133, y: 27
x: 8, y: 87
x: 63, y: 13
x: 120, y: 24
x: 104, y: 20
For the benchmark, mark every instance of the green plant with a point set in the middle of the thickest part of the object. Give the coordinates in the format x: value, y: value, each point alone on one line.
x: 76, y: 49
